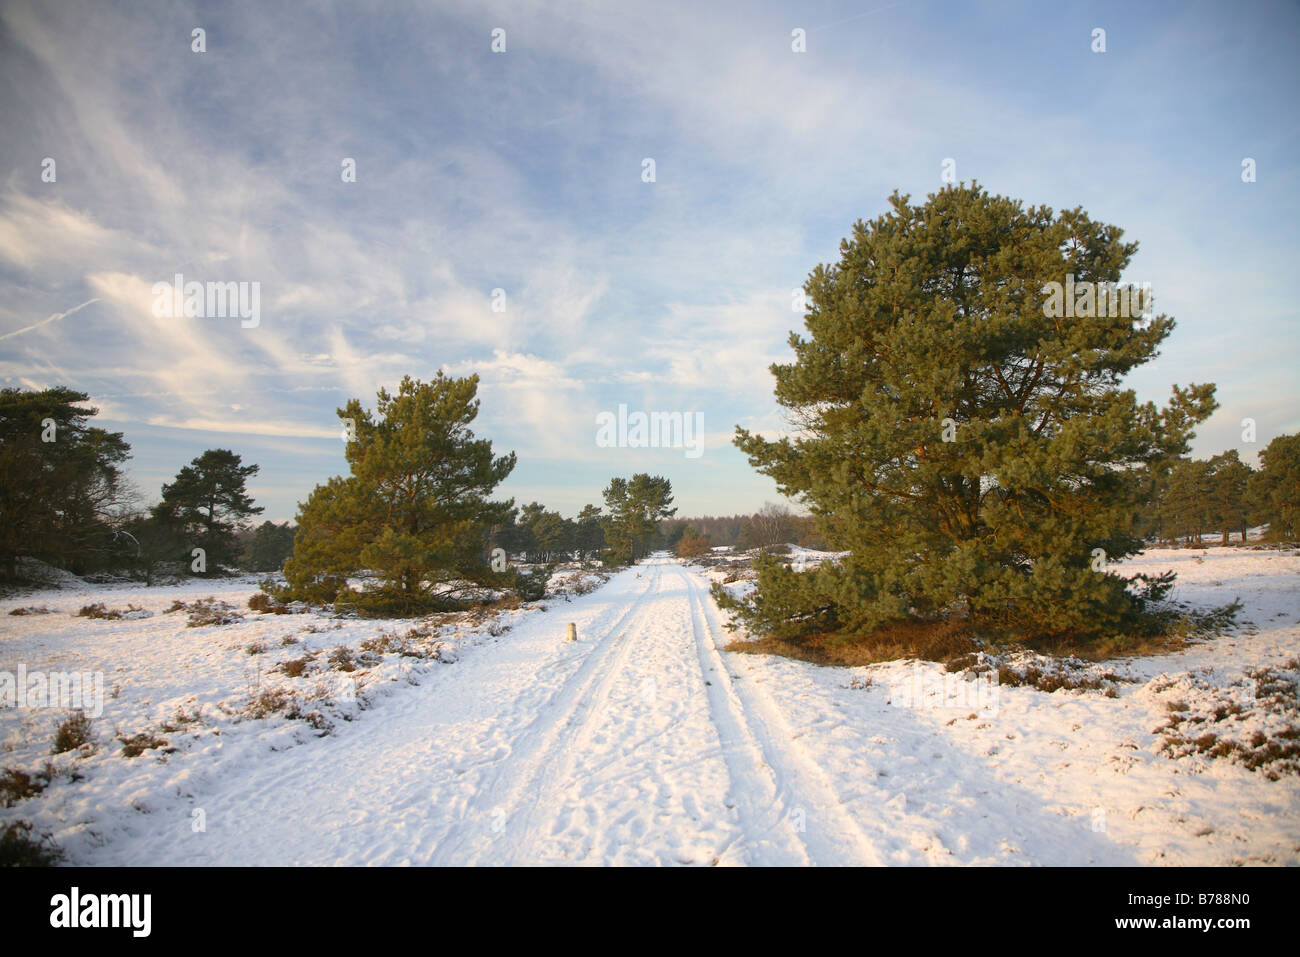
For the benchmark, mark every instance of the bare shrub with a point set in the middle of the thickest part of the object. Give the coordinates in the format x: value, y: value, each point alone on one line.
x: 19, y: 849
x: 295, y: 667
x: 209, y: 611
x: 138, y: 744
x: 16, y: 785
x: 273, y: 701
x: 266, y: 605
x: 100, y: 610
x: 73, y: 732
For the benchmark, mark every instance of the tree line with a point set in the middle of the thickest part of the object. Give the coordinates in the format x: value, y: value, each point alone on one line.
x: 773, y: 525
x: 1192, y: 498
x: 415, y: 514
x: 65, y: 500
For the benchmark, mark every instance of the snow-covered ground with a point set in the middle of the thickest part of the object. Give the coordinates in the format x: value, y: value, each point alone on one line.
x: 642, y: 743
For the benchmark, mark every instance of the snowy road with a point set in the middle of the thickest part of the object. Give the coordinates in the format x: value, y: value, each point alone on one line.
x: 635, y: 745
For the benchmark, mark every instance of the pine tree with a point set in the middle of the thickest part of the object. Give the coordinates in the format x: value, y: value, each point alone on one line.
x: 1275, y: 489
x: 635, y: 506
x: 589, y: 537
x: 268, y: 547
x: 60, y: 479
x: 160, y: 539
x: 543, y: 535
x: 414, y: 512
x: 1188, y: 499
x: 1229, y: 503
x: 209, y: 499
x: 968, y: 444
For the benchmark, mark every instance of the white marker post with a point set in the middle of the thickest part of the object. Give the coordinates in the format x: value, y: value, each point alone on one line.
x: 572, y: 634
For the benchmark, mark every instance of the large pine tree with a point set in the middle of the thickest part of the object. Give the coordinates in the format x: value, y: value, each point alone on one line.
x: 971, y: 448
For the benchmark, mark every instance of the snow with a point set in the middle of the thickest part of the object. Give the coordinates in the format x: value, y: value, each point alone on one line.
x: 641, y: 743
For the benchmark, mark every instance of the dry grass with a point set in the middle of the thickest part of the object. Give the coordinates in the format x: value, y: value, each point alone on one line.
x: 733, y: 571
x: 138, y: 744
x: 277, y: 701
x: 1215, y: 730
x: 420, y: 641
x: 1058, y: 677
x: 578, y: 583
x: 274, y: 701
x: 391, y: 643
x: 1107, y: 648
x: 1046, y: 673
x: 928, y: 641
x: 33, y: 610
x: 180, y: 718
x: 206, y: 611
x: 209, y: 611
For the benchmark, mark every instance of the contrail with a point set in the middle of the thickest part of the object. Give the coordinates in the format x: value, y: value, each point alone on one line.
x: 57, y: 315
x: 857, y: 16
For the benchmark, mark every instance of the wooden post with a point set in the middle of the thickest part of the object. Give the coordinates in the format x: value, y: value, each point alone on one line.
x: 572, y: 633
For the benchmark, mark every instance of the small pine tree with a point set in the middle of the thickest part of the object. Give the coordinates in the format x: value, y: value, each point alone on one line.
x: 415, y: 510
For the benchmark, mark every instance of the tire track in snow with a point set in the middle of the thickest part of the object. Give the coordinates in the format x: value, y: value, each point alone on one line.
x: 555, y: 775
x: 803, y: 793
x: 766, y: 828
x: 526, y: 771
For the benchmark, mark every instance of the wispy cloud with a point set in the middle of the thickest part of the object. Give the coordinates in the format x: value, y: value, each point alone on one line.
x: 521, y: 172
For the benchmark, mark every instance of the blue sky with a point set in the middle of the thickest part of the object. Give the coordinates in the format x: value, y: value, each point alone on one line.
x: 522, y: 171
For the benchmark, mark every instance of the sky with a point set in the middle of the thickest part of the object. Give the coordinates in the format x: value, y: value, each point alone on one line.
x: 524, y: 171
